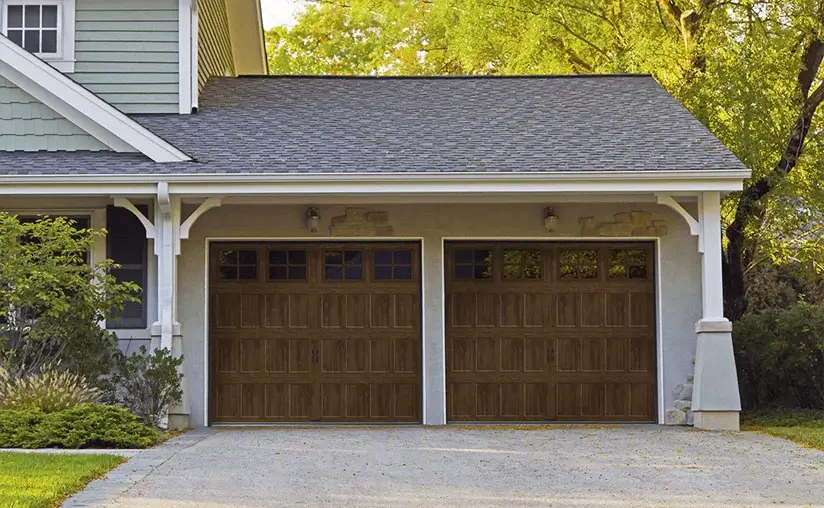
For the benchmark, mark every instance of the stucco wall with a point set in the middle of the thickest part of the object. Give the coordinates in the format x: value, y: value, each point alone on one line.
x: 680, y: 273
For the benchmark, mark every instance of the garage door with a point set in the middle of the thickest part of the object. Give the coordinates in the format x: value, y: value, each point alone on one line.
x: 315, y: 332
x: 539, y: 332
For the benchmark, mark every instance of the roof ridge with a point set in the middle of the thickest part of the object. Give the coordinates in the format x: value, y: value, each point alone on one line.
x: 439, y: 76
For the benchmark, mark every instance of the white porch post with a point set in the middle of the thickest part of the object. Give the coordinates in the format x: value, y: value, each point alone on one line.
x: 434, y: 346
x: 715, y: 402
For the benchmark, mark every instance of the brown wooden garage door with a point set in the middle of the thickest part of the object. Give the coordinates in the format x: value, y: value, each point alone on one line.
x: 551, y: 331
x: 315, y: 332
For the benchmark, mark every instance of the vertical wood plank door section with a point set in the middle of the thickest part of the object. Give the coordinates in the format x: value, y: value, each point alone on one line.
x: 550, y: 331
x: 315, y: 332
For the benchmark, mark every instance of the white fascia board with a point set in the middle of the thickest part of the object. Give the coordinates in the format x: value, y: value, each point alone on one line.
x: 80, y: 106
x: 380, y: 184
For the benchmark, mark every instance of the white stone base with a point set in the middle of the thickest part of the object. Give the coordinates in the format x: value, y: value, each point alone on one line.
x: 716, y: 420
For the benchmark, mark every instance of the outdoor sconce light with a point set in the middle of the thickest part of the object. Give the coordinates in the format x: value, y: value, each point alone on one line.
x: 550, y: 219
x: 313, y: 218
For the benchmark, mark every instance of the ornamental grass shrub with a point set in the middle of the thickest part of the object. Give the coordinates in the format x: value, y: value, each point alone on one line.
x: 780, y: 358
x: 48, y: 389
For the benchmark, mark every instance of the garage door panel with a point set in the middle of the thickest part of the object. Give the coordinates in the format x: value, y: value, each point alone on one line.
x: 574, y: 341
x: 321, y: 335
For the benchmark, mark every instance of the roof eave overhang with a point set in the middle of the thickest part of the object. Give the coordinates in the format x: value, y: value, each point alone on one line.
x: 609, y: 182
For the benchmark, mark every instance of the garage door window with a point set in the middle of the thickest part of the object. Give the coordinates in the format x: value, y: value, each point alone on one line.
x: 627, y: 264
x: 578, y: 264
x: 287, y: 265
x: 473, y: 264
x: 522, y: 264
x: 393, y: 265
x: 237, y: 264
x: 343, y: 265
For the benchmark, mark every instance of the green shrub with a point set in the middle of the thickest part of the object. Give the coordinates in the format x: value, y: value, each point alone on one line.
x: 83, y: 426
x: 149, y: 383
x: 48, y: 389
x: 780, y: 358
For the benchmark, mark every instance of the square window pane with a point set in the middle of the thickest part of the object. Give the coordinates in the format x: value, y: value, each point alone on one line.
x: 383, y: 257
x: 383, y: 273
x: 532, y: 272
x: 228, y: 273
x: 16, y: 36
x: 637, y: 272
x: 297, y: 257
x: 354, y: 273
x: 248, y: 257
x: 277, y: 273
x: 403, y: 273
x: 49, y: 44
x: 15, y: 16
x: 588, y: 272
x: 463, y: 256
x: 512, y: 271
x: 228, y: 257
x: 49, y: 16
x: 333, y: 273
x: 277, y: 257
x: 353, y: 257
x: 617, y: 272
x: 297, y: 273
x: 463, y: 272
x: 334, y: 258
x: 32, y: 18
x: 31, y: 41
x: 481, y: 256
x: 513, y: 257
x: 247, y: 272
x: 403, y: 257
x: 483, y: 272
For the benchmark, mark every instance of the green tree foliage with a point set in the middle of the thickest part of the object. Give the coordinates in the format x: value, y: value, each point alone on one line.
x: 748, y: 69
x: 52, y: 300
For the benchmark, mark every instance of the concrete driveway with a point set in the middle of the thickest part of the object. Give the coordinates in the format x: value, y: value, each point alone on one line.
x: 466, y: 467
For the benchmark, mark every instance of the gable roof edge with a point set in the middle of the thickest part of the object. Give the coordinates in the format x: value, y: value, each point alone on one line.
x: 81, y: 107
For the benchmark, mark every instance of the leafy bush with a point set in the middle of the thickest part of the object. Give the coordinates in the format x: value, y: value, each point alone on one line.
x: 83, y: 426
x: 780, y: 358
x: 49, y: 390
x: 149, y: 383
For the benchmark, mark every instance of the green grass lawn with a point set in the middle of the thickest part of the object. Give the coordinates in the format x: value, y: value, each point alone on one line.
x: 44, y: 480
x: 802, y: 426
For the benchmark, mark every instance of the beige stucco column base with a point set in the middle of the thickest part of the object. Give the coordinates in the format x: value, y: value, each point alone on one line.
x: 178, y: 415
x: 716, y: 402
x: 716, y: 420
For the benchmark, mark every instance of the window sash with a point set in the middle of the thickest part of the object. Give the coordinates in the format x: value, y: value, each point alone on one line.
x: 58, y: 54
x: 118, y: 221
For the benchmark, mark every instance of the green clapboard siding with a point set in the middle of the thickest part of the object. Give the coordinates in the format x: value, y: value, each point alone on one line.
x: 127, y: 53
x: 29, y: 125
x: 214, y: 48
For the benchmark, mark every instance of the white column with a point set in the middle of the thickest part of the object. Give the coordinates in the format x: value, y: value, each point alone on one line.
x: 716, y: 402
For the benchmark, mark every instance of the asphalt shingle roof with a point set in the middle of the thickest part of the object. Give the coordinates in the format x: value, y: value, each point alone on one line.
x: 436, y: 124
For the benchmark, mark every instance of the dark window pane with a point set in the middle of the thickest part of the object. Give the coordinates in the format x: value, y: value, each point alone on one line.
x: 383, y: 257
x: 383, y: 272
x: 617, y: 272
x: 49, y: 41
x: 532, y: 272
x: 403, y: 257
x: 32, y: 16
x: 31, y: 41
x: 463, y: 272
x: 127, y: 246
x: 637, y: 272
x: 354, y: 272
x: 15, y: 16
x: 463, y: 256
x: 353, y: 257
x: 567, y: 272
x: 227, y: 257
x: 16, y: 36
x: 49, y: 16
x: 297, y: 273
x: 297, y: 257
x: 481, y: 256
x: 247, y: 272
x: 248, y: 257
x: 333, y: 273
x: 334, y: 258
x: 403, y: 273
x: 482, y: 272
x: 277, y: 272
x: 228, y: 273
x: 277, y: 257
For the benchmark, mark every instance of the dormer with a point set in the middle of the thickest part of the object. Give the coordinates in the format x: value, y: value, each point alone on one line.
x: 140, y: 56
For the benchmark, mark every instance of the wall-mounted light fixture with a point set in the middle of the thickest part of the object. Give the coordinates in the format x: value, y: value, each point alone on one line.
x: 313, y: 219
x: 550, y: 219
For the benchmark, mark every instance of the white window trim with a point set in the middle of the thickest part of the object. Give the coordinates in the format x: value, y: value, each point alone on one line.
x: 64, y: 59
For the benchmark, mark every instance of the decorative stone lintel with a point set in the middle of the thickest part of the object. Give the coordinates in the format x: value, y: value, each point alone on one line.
x: 361, y: 222
x: 624, y: 224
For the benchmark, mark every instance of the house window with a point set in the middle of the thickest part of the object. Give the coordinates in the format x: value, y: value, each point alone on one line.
x: 42, y: 27
x: 127, y: 246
